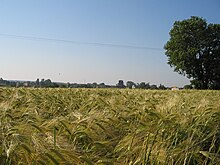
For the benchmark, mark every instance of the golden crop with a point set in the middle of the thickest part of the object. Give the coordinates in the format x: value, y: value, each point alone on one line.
x: 109, y: 126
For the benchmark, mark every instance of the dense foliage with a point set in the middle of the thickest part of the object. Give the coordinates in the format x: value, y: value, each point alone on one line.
x: 194, y: 50
x: 109, y: 126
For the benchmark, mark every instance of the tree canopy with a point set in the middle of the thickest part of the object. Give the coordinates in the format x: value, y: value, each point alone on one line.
x: 194, y: 50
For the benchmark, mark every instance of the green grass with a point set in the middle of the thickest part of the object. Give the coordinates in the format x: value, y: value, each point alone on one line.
x: 109, y: 126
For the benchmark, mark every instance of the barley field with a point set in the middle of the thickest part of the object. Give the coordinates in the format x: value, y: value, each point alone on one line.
x: 109, y: 127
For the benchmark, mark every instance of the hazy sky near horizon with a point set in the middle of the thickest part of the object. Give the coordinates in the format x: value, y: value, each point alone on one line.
x: 144, y: 23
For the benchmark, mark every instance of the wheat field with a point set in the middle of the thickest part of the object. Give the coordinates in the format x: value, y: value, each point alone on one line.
x: 109, y: 127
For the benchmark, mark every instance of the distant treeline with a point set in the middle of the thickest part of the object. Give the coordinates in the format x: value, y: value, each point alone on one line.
x: 47, y: 83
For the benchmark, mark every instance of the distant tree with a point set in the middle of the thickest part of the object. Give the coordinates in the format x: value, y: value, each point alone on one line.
x: 188, y: 87
x: 42, y: 83
x: 130, y: 84
x: 142, y: 85
x: 55, y: 85
x: 89, y: 85
x: 153, y: 86
x: 120, y: 84
x: 194, y: 50
x: 13, y: 84
x: 62, y: 86
x: 101, y: 85
x: 37, y: 82
x: 47, y: 83
x: 74, y: 85
x: 147, y: 86
x: 94, y: 85
x: 162, y: 87
x: 3, y: 82
x: 68, y: 85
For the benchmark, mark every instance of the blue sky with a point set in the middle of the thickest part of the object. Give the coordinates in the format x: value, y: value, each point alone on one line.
x: 122, y: 22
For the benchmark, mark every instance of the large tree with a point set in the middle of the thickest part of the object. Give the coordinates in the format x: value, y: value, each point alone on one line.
x: 194, y: 50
